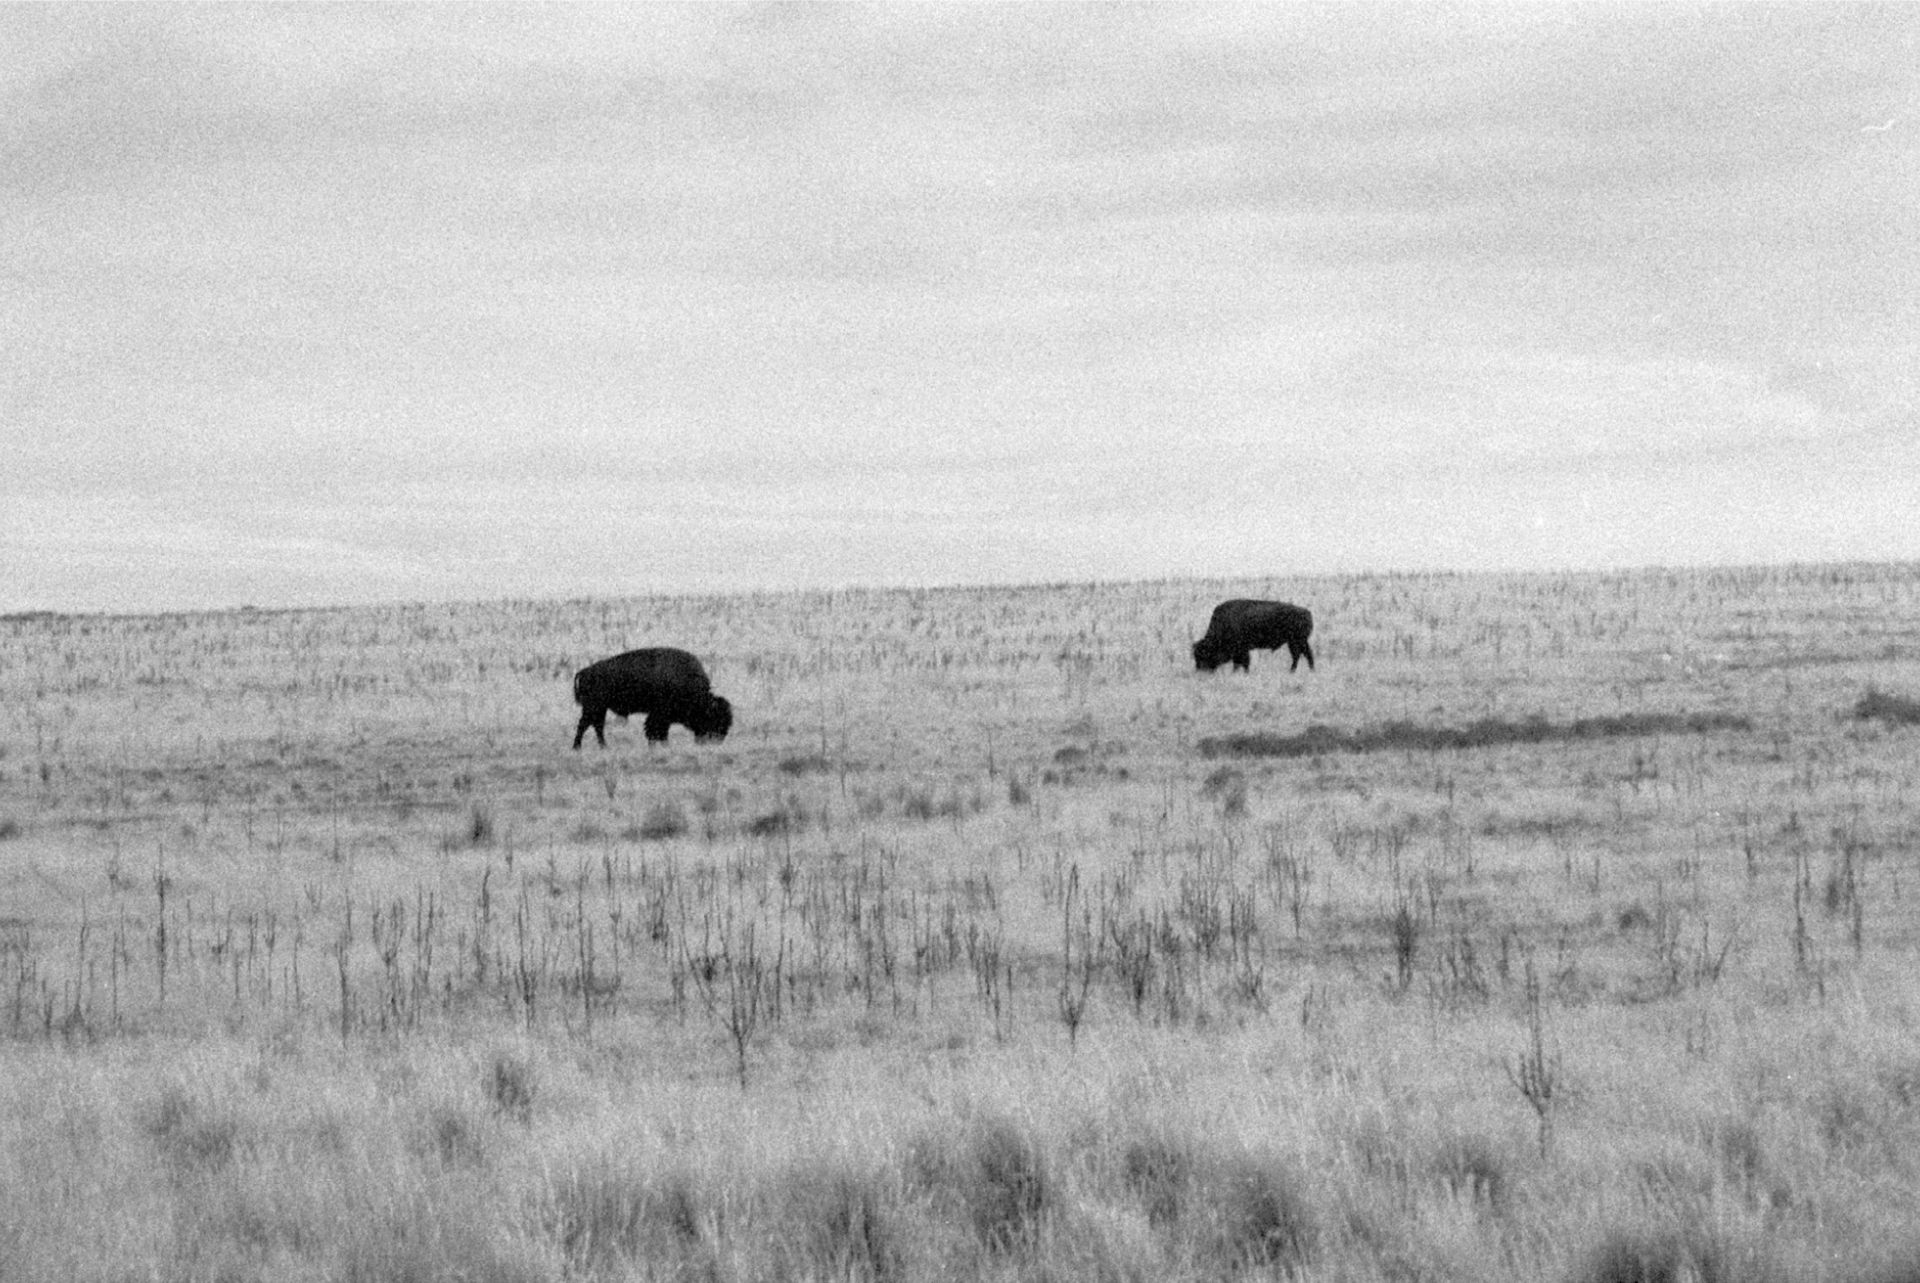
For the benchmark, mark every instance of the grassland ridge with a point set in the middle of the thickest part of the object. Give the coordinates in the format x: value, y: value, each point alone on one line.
x: 1487, y: 732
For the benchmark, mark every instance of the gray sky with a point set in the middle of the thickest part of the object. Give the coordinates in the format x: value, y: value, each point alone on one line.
x: 351, y: 303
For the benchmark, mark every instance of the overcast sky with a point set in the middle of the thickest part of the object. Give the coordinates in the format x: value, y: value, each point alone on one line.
x: 369, y: 303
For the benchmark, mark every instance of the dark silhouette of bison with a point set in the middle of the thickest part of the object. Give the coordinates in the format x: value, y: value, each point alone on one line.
x: 1241, y: 626
x: 666, y: 684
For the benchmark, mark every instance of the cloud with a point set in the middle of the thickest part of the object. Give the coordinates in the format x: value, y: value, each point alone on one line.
x: 925, y: 292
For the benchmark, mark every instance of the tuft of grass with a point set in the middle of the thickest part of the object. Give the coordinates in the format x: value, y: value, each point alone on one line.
x: 774, y: 823
x: 1258, y: 1217
x: 1743, y: 1159
x: 1242, y: 1210
x: 1159, y: 1171
x: 476, y: 832
x: 604, y: 1216
x: 1895, y: 710
x: 1227, y: 786
x: 1488, y: 732
x: 1633, y: 917
x: 804, y: 764
x: 189, y: 1136
x: 663, y: 820
x: 1667, y: 1257
x: 1009, y: 1188
x: 454, y: 1137
x: 510, y: 1086
x: 996, y: 1173
x: 846, y: 1226
x: 1473, y: 1169
x: 923, y: 803
x: 395, y: 1246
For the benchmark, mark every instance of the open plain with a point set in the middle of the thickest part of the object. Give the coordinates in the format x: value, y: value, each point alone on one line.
x: 1554, y: 927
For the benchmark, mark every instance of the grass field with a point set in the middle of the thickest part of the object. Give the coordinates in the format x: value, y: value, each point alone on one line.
x: 1555, y: 928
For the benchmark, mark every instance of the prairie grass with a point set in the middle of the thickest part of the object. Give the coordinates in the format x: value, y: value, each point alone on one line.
x: 323, y: 956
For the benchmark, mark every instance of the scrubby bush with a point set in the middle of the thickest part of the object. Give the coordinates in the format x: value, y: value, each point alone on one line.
x: 1896, y: 710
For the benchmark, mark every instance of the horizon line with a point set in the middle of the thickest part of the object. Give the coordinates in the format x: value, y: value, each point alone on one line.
x: 37, y: 614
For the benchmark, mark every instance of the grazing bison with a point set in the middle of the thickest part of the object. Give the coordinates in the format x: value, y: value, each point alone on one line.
x: 1241, y: 626
x: 667, y: 685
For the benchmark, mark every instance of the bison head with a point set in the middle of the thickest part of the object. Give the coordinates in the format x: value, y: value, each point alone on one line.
x: 1205, y: 657
x: 712, y: 720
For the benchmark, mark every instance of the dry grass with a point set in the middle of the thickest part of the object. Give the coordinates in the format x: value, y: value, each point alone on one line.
x: 323, y: 957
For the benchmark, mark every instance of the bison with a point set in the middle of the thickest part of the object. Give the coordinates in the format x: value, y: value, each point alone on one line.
x: 666, y: 684
x: 1241, y: 626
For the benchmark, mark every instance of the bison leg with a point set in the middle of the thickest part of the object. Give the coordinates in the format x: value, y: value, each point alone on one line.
x: 1243, y: 661
x: 597, y: 720
x: 657, y: 724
